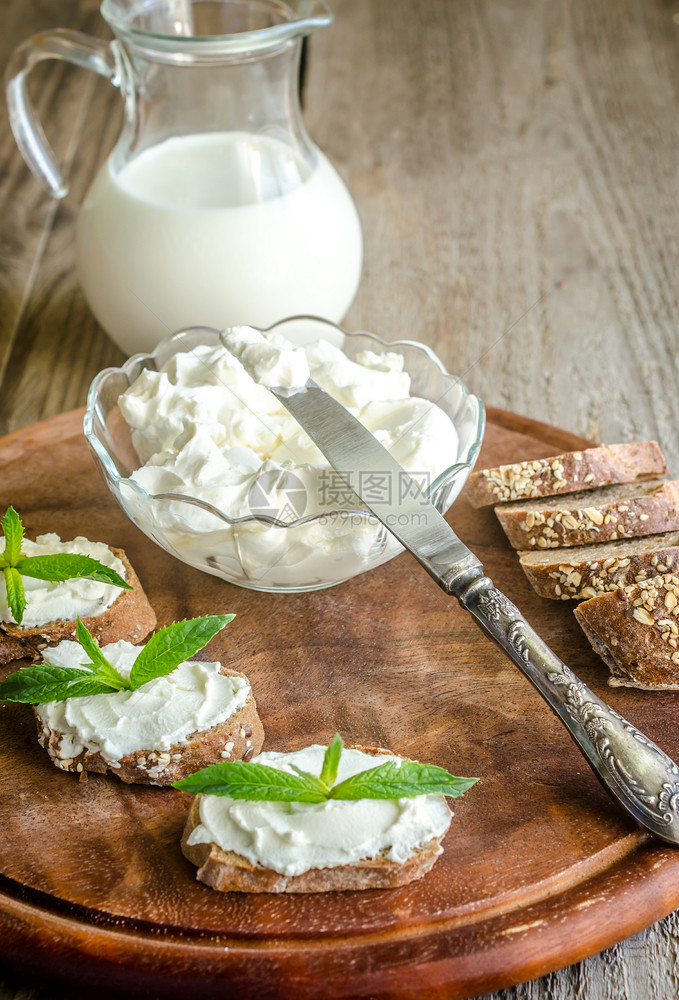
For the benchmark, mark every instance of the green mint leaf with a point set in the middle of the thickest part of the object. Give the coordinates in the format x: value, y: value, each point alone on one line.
x: 45, y: 682
x: 255, y: 782
x: 101, y: 668
x: 331, y: 762
x: 173, y: 644
x: 312, y: 779
x: 69, y: 566
x: 13, y: 531
x: 399, y: 781
x: 16, y: 598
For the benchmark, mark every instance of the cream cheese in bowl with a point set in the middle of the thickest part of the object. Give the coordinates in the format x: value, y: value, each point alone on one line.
x: 223, y: 477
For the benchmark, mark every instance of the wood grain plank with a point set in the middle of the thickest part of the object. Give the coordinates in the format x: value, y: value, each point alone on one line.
x: 34, y: 272
x: 567, y: 855
x: 515, y: 168
x: 534, y: 246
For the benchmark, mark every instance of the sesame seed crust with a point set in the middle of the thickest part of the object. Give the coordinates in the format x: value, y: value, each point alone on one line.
x: 567, y: 473
x: 584, y: 572
x: 635, y: 630
x: 609, y: 513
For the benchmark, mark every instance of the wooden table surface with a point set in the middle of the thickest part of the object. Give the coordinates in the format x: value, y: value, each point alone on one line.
x: 514, y: 163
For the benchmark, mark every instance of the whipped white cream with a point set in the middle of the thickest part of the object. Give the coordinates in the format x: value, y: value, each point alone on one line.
x: 268, y: 359
x: 161, y: 713
x: 50, y: 602
x: 204, y: 427
x: 293, y: 837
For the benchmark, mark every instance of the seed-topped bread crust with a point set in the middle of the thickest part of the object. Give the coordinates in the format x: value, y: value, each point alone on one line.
x: 130, y: 617
x: 585, y: 571
x: 227, y: 871
x: 566, y: 473
x: 239, y: 737
x: 628, y: 510
x: 635, y: 630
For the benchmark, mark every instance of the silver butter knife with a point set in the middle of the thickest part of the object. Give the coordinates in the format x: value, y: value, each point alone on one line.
x: 636, y: 773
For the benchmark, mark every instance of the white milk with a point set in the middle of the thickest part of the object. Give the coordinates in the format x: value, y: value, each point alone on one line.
x: 216, y: 229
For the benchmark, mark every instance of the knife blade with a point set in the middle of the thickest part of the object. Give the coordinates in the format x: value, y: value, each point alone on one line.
x: 637, y: 774
x: 359, y: 458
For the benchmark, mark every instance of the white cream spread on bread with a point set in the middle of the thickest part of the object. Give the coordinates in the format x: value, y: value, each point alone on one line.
x: 293, y: 837
x: 161, y: 713
x: 50, y: 602
x: 202, y: 426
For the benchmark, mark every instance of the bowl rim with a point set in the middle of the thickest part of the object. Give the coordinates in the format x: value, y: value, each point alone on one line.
x: 142, y: 359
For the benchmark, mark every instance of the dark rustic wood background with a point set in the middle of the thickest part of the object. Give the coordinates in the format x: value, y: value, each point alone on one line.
x: 514, y: 163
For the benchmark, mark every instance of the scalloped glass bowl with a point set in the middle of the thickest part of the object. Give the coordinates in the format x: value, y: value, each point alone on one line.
x: 262, y: 552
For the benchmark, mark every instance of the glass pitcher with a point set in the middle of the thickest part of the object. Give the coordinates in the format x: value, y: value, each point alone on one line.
x: 214, y: 207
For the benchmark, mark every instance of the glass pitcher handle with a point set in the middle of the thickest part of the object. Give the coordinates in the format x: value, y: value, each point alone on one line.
x: 70, y: 46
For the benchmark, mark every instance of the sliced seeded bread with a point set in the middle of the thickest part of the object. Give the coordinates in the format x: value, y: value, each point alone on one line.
x: 636, y: 632
x: 130, y: 617
x: 584, y: 571
x: 627, y: 510
x: 567, y: 473
x: 231, y: 872
x: 239, y: 737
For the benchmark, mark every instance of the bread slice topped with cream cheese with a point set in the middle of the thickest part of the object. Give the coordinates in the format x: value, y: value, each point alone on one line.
x: 317, y: 820
x: 150, y: 714
x: 47, y: 584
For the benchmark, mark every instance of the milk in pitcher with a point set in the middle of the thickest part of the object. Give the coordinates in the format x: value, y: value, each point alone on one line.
x: 216, y: 229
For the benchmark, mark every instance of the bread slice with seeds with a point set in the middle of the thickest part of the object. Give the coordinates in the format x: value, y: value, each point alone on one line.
x: 130, y: 617
x: 169, y: 727
x: 239, y: 737
x: 636, y: 632
x: 570, y: 472
x: 627, y: 510
x: 228, y: 871
x: 584, y: 571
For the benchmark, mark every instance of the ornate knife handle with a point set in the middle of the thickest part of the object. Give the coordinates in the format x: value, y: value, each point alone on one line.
x: 643, y: 779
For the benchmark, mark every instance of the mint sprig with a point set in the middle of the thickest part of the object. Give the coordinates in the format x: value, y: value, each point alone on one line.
x: 45, y: 682
x: 104, y: 672
x: 331, y: 761
x: 239, y: 779
x: 173, y: 644
x: 162, y: 654
x: 258, y: 782
x: 13, y: 530
x: 67, y: 566
x: 54, y: 568
x: 16, y: 596
x: 397, y: 780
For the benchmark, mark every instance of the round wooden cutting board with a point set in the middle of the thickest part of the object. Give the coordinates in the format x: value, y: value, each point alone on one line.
x: 539, y: 869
